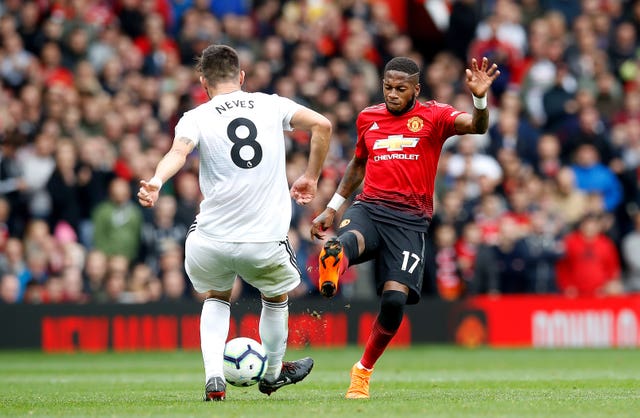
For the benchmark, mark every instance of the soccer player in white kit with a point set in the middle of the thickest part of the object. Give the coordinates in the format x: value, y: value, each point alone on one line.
x: 242, y: 225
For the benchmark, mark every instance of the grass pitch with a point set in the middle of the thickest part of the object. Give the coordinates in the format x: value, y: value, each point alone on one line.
x: 418, y: 382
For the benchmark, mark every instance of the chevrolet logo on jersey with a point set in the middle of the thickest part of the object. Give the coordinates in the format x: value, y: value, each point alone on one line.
x: 395, y: 143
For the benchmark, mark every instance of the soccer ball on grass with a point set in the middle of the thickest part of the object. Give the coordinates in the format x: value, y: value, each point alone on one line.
x: 245, y: 361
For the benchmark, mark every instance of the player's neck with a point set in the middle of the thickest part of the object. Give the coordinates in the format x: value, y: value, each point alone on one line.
x: 223, y: 88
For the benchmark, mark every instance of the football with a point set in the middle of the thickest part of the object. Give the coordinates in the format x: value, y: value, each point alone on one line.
x: 245, y: 361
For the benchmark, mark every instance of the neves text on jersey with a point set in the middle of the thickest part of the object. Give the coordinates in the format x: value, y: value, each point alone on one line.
x: 248, y: 104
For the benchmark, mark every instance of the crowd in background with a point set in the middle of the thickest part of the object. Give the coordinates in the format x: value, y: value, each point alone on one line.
x: 547, y: 201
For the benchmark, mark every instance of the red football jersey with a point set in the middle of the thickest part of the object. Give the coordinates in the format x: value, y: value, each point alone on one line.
x: 402, y: 154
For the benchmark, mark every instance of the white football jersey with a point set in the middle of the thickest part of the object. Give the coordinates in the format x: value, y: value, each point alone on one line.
x: 241, y: 146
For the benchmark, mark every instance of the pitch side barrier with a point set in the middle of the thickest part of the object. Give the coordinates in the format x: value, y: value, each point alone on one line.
x: 505, y: 321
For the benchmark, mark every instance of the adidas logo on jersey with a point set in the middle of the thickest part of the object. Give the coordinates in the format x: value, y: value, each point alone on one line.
x: 374, y: 126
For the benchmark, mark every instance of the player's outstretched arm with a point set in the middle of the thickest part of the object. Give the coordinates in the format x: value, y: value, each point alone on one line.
x: 168, y: 166
x: 352, y: 178
x: 304, y: 188
x: 478, y: 78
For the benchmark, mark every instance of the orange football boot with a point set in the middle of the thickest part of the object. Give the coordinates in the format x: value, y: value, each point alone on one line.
x: 330, y: 267
x: 359, y: 387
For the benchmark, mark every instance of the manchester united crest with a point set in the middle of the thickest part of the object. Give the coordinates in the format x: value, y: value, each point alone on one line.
x: 415, y: 124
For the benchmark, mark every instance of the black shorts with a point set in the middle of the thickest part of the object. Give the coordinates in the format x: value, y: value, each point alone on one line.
x: 398, y: 252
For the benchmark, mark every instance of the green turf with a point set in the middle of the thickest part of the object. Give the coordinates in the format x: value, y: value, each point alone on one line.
x: 420, y: 382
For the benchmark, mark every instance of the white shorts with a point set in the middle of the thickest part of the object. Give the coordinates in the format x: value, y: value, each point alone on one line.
x: 270, y: 267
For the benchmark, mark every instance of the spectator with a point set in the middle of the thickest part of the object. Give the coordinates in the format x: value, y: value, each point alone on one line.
x: 95, y: 272
x: 630, y: 251
x: 591, y: 130
x: 73, y: 286
x: 502, y: 267
x: 462, y: 25
x: 466, y: 251
x: 114, y: 289
x: 544, y: 248
x: 161, y: 231
x: 514, y: 172
x: 188, y: 198
x: 9, y: 289
x: 469, y: 164
x: 36, y: 271
x: 491, y: 42
x: 118, y: 222
x: 63, y: 188
x: 449, y: 283
x: 510, y: 133
x: 12, y: 259
x: 34, y: 293
x: 174, y: 285
x: 451, y: 211
x: 29, y: 26
x: 547, y: 161
x: 13, y: 185
x: 590, y: 266
x: 519, y: 210
x: 37, y: 164
x: 558, y: 100
x: 54, y: 290
x: 594, y: 177
x: 567, y: 200
x: 487, y: 217
x: 538, y: 77
x: 5, y: 213
x: 16, y: 61
x: 140, y: 282
x: 623, y: 48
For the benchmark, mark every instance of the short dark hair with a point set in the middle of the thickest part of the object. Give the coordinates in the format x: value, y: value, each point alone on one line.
x: 402, y: 64
x: 218, y: 63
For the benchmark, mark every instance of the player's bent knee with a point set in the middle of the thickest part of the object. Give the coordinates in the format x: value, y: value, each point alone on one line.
x: 392, y: 309
x: 353, y: 244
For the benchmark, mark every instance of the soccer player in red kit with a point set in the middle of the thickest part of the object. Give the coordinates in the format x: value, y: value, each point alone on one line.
x: 397, y: 151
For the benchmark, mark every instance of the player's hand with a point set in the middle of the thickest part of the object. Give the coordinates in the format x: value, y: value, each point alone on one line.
x: 303, y: 190
x: 148, y: 194
x: 321, y: 223
x: 480, y: 78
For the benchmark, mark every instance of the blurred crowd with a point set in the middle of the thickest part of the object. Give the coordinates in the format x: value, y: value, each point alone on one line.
x: 547, y: 201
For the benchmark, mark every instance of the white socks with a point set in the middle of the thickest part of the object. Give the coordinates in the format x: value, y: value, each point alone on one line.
x: 274, y: 330
x: 214, y: 329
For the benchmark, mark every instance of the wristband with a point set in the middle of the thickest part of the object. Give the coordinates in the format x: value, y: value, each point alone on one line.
x: 480, y: 103
x: 336, y: 201
x: 156, y: 181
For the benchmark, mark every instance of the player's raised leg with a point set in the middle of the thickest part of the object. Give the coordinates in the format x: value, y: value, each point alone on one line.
x: 332, y: 264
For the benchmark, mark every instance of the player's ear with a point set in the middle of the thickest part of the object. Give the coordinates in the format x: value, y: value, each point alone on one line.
x: 242, y: 74
x: 417, y: 90
x: 205, y: 85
